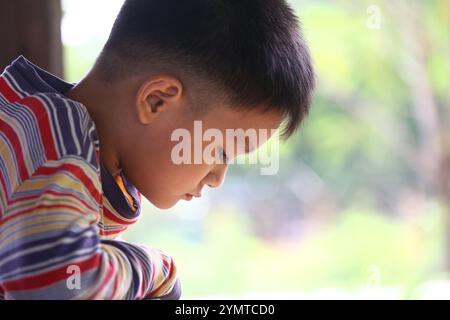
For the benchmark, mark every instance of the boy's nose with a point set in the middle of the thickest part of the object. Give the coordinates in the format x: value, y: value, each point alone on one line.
x: 216, y: 176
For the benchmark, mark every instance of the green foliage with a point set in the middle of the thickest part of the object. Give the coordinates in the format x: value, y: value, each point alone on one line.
x: 229, y: 261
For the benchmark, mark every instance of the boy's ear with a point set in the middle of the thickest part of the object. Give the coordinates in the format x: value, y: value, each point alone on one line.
x: 155, y: 96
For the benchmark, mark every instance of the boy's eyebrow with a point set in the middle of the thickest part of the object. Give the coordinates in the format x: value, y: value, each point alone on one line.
x: 247, y: 145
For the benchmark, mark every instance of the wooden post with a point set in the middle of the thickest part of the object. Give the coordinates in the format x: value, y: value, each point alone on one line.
x: 31, y: 28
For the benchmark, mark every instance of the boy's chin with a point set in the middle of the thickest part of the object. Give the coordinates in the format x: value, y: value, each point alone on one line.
x: 164, y: 204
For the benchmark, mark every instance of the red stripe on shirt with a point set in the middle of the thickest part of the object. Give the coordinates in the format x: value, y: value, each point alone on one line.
x: 77, y: 172
x: 50, y: 277
x: 107, y: 213
x: 7, y: 91
x: 41, y: 114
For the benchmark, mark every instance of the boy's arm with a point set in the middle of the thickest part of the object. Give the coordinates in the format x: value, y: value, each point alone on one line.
x: 50, y: 247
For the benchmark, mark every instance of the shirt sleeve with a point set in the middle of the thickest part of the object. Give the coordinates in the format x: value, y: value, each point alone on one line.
x: 50, y: 246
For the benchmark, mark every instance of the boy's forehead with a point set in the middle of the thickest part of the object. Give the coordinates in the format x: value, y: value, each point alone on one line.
x: 248, y: 128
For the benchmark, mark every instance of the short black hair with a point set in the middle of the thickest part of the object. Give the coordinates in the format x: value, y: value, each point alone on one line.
x: 251, y: 50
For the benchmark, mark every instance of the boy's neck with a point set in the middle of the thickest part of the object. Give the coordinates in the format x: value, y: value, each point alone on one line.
x: 97, y: 98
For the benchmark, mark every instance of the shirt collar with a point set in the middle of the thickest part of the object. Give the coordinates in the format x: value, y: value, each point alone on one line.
x: 31, y: 79
x: 122, y: 195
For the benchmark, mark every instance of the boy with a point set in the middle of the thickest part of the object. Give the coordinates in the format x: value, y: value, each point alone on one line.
x: 75, y: 159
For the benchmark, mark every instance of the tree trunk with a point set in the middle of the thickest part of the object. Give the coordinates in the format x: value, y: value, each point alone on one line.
x: 31, y: 28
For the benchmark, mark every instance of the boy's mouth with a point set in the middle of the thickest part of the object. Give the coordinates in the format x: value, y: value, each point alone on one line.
x: 189, y: 196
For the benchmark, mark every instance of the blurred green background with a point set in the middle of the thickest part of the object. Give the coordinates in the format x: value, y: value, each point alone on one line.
x: 360, y: 206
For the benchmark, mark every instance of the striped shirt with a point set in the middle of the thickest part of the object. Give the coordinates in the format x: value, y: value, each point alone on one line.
x: 60, y: 209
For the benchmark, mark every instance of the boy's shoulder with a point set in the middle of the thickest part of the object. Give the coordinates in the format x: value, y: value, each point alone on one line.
x: 49, y: 126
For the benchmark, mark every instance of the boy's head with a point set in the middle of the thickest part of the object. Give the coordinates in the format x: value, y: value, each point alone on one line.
x: 229, y: 63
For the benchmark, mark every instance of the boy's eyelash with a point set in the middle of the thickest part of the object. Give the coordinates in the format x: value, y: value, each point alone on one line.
x: 225, y: 157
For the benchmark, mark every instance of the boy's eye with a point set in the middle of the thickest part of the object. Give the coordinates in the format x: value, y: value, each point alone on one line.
x: 224, y: 156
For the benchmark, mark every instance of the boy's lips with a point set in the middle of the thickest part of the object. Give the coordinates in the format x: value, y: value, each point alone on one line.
x: 189, y: 196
